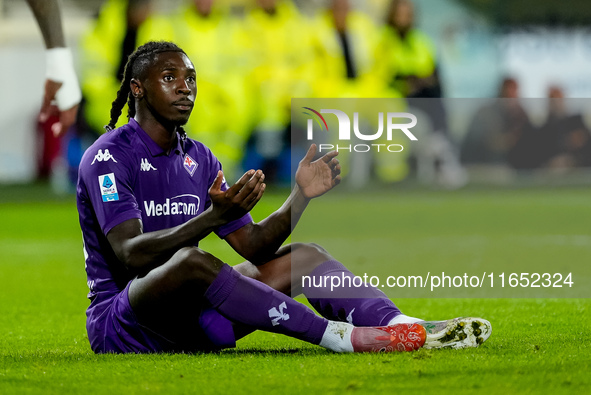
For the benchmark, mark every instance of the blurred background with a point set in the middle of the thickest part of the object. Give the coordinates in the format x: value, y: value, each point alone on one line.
x: 501, y: 83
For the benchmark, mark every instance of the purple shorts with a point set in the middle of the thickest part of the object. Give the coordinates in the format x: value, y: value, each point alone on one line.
x: 113, y: 328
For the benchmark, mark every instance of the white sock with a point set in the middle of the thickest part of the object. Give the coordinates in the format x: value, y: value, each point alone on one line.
x: 337, y: 337
x: 403, y: 319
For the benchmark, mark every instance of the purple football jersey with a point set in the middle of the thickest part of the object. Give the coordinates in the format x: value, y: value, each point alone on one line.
x: 126, y: 175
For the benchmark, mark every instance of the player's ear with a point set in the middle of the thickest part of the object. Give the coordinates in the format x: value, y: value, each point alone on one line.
x: 137, y: 89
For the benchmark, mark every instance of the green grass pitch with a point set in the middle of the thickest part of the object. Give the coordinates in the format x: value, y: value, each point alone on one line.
x: 537, y: 345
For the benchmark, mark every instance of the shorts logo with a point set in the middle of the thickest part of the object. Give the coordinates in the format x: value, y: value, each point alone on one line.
x: 108, y: 187
x: 350, y: 316
x: 146, y: 166
x: 103, y: 156
x: 277, y: 315
x: 189, y: 164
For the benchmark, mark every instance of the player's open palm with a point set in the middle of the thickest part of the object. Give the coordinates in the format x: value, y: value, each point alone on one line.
x: 318, y: 177
x: 240, y: 198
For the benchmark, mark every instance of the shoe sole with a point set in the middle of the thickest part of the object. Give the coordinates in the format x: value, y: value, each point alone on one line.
x: 458, y: 333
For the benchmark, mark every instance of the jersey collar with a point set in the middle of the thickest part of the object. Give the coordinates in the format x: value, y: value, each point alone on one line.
x: 155, y: 149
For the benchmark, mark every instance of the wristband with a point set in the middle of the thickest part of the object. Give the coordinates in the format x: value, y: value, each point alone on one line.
x: 60, y: 68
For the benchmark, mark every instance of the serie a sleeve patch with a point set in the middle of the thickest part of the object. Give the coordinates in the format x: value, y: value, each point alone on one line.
x: 108, y: 187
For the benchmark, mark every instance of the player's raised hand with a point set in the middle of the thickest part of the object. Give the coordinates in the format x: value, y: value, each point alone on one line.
x: 66, y: 117
x: 318, y: 177
x: 61, y: 86
x: 240, y: 198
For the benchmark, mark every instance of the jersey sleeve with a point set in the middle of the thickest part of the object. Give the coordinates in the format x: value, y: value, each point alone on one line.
x: 232, y: 226
x: 108, y: 176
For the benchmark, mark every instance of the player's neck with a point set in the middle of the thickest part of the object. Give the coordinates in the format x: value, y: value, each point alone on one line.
x: 163, y: 133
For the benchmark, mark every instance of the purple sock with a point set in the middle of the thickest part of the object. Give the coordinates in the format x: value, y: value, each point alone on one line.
x: 361, y: 306
x: 247, y: 301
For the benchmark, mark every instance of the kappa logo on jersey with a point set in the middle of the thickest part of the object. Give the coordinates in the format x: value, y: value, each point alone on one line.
x: 277, y: 315
x: 103, y: 156
x: 146, y: 166
x: 186, y: 204
x: 108, y: 187
x: 190, y: 164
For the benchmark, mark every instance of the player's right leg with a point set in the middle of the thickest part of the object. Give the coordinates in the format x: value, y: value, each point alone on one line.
x: 193, y: 279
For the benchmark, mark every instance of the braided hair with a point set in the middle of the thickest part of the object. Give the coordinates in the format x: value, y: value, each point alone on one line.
x: 137, y: 65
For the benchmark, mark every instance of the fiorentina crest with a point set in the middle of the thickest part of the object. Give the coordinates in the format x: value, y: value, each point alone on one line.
x: 189, y: 164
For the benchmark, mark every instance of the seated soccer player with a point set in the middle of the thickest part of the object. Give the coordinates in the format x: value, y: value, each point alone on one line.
x: 147, y: 195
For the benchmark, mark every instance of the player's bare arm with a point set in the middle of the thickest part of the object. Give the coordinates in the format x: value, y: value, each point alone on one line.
x: 48, y: 17
x: 260, y: 242
x: 61, y: 84
x: 141, y: 252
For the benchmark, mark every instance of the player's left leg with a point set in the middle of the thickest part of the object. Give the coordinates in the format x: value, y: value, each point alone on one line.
x: 192, y: 277
x: 360, y: 306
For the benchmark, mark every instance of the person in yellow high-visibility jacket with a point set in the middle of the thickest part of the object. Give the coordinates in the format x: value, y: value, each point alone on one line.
x: 346, y: 46
x: 218, y: 44
x: 282, y: 68
x: 104, y: 50
x: 408, y: 63
x: 408, y: 56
